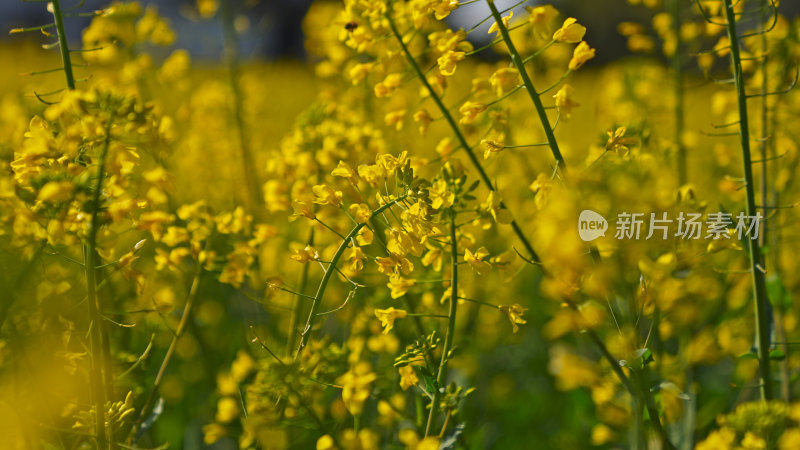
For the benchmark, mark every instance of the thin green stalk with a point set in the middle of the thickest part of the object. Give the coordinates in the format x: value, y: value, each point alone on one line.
x: 441, y: 377
x: 95, y: 320
x: 764, y: 117
x: 766, y: 143
x: 62, y: 44
x: 637, y: 437
x: 103, y: 302
x: 652, y: 410
x: 312, y: 314
x: 294, y: 320
x: 613, y: 362
x: 526, y: 80
x: 677, y: 72
x: 756, y: 258
x: 479, y: 302
x: 461, y: 139
x: 538, y: 52
x: 187, y: 313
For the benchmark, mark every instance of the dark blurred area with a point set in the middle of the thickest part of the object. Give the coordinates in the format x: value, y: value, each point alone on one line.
x: 268, y: 29
x: 272, y: 29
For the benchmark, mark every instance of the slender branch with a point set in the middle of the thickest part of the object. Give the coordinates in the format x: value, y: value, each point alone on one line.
x: 294, y: 320
x: 187, y: 312
x: 652, y: 410
x: 62, y: 44
x: 312, y: 315
x: 95, y: 320
x: 756, y: 258
x: 441, y: 378
x: 677, y: 72
x: 613, y: 362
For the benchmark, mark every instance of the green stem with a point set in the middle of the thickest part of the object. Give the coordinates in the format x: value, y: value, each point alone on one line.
x: 764, y: 116
x: 312, y: 314
x: 526, y: 80
x: 538, y: 52
x: 95, y: 320
x: 678, y: 86
x: 677, y: 72
x: 638, y: 438
x: 441, y: 378
x: 62, y: 44
x: 765, y: 144
x: 461, y: 139
x: 295, y: 317
x: 479, y: 302
x: 652, y: 410
x: 182, y: 325
x: 756, y: 258
x: 613, y: 362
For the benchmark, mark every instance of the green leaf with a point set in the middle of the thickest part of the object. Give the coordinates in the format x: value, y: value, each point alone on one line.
x: 430, y: 381
x: 777, y: 355
x: 748, y: 355
x: 644, y: 356
x: 778, y: 296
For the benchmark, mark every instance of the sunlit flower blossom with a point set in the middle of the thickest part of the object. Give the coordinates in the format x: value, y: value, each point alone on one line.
x: 447, y: 62
x: 491, y: 146
x: 388, y: 316
x: 470, y: 110
x: 514, y: 314
x: 476, y: 260
x: 565, y: 100
x: 399, y: 285
x: 440, y: 196
x: 570, y: 32
x: 494, y: 28
x: 504, y: 80
x: 408, y: 377
x: 580, y: 55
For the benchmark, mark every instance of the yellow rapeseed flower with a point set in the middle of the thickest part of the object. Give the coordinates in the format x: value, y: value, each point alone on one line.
x: 570, y: 32
x: 408, y: 377
x: 440, y: 196
x: 388, y: 316
x: 565, y: 100
x: 325, y: 195
x: 514, y: 314
x: 505, y: 79
x: 470, y: 110
x: 491, y: 146
x: 447, y: 62
x: 580, y: 55
x: 542, y: 15
x: 476, y: 260
x: 399, y: 285
x: 344, y: 170
x: 494, y: 28
x: 356, y: 387
x: 443, y: 8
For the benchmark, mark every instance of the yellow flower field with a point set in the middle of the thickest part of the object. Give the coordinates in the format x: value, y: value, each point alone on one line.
x: 415, y: 238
